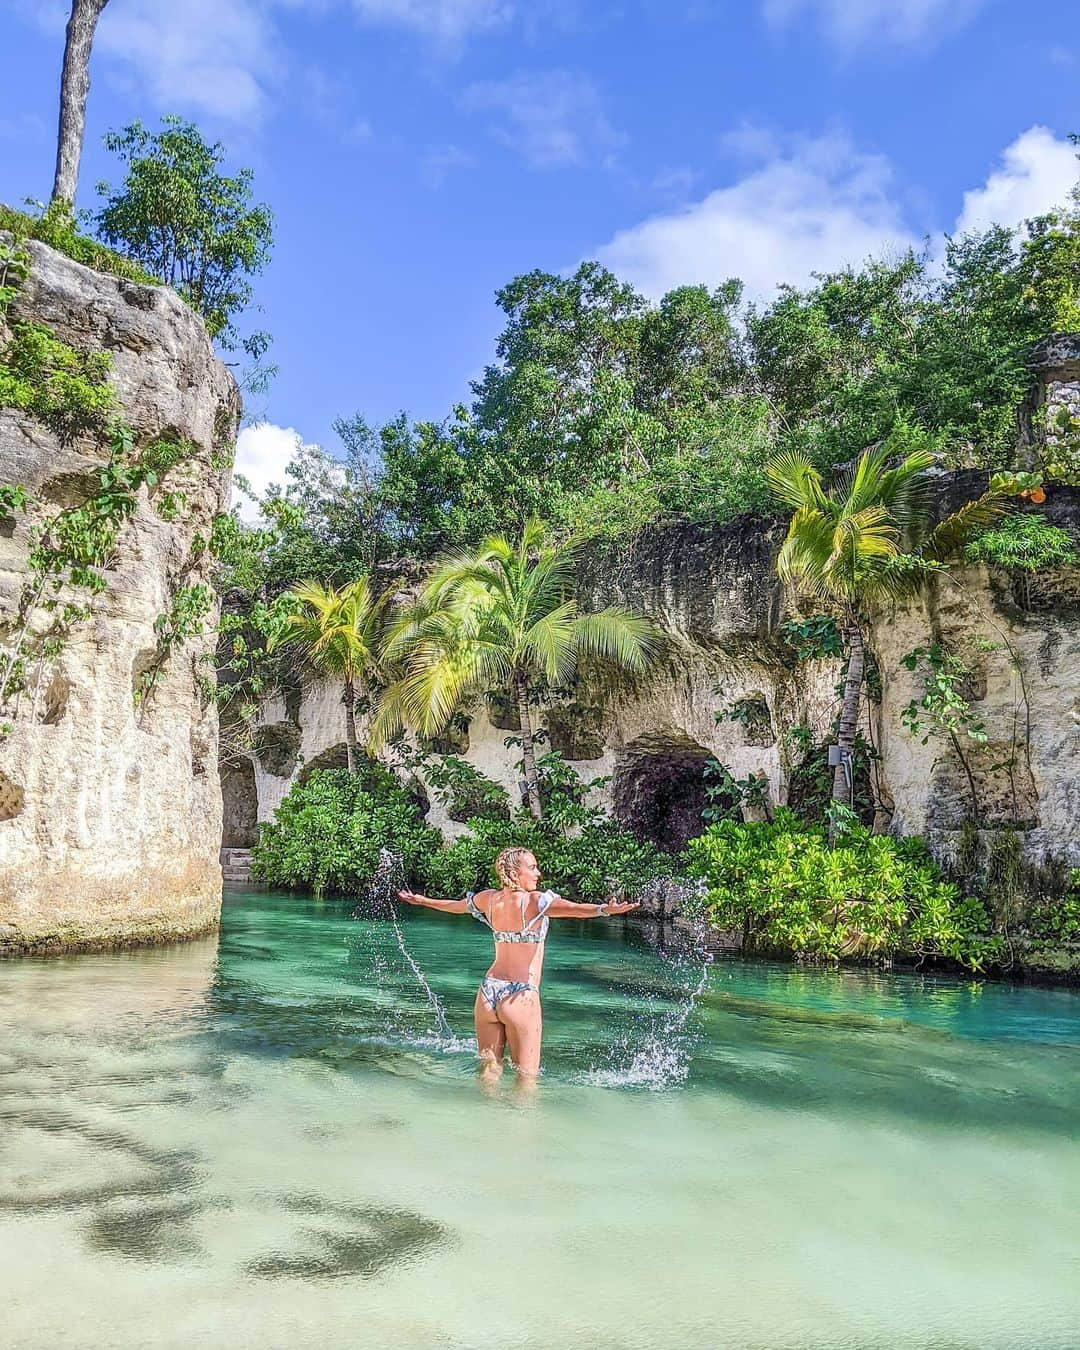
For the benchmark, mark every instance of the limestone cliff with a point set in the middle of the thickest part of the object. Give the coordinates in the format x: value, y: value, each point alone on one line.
x: 110, y: 809
x: 714, y: 591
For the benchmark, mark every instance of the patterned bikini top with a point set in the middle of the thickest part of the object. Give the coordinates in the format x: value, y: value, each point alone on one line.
x: 535, y: 931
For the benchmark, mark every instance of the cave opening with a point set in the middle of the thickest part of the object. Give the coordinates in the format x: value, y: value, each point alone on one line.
x: 659, y: 788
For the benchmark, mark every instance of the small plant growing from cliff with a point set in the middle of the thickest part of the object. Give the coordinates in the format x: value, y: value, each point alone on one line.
x: 815, y: 638
x: 944, y: 706
x: 70, y: 551
x: 1027, y: 543
x: 66, y: 390
x: 14, y: 267
x: 177, y: 215
x: 183, y: 621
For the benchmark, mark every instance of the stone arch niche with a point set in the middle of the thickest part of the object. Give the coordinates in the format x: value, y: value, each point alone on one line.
x: 334, y: 757
x: 239, y: 805
x: 658, y: 789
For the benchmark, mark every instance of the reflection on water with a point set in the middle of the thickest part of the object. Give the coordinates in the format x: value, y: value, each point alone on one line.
x: 268, y: 1140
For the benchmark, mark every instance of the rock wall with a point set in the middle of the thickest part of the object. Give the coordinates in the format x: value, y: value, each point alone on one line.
x: 110, y: 815
x: 714, y: 592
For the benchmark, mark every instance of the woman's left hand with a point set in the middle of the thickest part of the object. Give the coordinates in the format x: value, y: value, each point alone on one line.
x: 622, y: 906
x: 411, y: 898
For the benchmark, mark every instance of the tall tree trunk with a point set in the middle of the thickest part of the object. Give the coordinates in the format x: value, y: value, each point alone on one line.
x: 528, y: 753
x: 349, y: 700
x: 74, y: 87
x: 849, y: 715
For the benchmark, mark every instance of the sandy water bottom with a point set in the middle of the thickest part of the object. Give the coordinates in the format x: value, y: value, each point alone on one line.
x: 259, y: 1142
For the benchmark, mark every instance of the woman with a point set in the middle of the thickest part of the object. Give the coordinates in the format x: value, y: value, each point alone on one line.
x: 508, y: 1002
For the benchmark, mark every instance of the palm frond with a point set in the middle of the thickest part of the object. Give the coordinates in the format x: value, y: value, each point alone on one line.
x: 806, y: 549
x: 794, y: 481
x: 947, y: 540
x: 551, y: 642
x: 624, y: 639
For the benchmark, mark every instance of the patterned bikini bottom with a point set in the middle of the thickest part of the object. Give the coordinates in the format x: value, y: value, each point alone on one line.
x: 495, y: 990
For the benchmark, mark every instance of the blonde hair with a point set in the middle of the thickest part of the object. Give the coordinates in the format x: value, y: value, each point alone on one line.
x: 508, y: 863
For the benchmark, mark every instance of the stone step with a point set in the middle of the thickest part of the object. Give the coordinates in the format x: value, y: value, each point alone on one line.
x: 236, y: 865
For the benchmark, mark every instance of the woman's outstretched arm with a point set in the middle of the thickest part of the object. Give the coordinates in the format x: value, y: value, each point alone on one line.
x: 572, y: 909
x: 447, y: 906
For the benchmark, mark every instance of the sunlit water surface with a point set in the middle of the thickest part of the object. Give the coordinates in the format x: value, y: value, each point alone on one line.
x: 261, y: 1141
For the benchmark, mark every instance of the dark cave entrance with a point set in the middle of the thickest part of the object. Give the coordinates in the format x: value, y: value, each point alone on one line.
x: 659, y: 788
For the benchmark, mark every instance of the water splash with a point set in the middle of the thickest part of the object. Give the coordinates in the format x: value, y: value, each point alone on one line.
x: 387, y: 880
x: 656, y: 1052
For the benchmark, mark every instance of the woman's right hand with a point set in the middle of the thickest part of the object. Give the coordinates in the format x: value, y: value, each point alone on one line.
x: 412, y: 898
x: 621, y: 906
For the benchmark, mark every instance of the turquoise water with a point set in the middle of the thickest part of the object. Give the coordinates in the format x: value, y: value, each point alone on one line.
x: 261, y: 1141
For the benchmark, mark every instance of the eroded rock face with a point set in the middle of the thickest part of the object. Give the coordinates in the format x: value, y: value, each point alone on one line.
x: 113, y: 820
x: 715, y: 593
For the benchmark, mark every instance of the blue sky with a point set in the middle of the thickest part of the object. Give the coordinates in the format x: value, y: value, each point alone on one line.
x: 420, y: 153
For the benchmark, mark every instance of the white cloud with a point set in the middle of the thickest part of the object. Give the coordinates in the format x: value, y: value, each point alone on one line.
x: 439, y: 163
x: 446, y: 20
x: 1037, y: 173
x: 212, y: 56
x: 553, y: 118
x: 852, y: 23
x: 263, y: 454
x: 812, y: 209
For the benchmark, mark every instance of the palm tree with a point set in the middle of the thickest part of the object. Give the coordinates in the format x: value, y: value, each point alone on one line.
x: 504, y: 617
x: 866, y: 541
x: 339, y: 633
x: 74, y: 87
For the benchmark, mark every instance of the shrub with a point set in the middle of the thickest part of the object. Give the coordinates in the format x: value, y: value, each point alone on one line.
x: 465, y: 791
x: 328, y: 831
x: 585, y: 866
x: 781, y: 885
x: 1028, y: 543
x: 65, y: 389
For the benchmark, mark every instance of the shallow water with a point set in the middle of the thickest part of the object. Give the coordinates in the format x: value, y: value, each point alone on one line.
x: 260, y: 1141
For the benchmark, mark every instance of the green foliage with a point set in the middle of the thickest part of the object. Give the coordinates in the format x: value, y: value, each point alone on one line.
x: 12, y: 499
x: 327, y: 833
x: 726, y: 795
x: 869, y: 538
x: 585, y: 866
x: 466, y: 792
x: 503, y: 616
x: 943, y: 705
x: 1057, y: 921
x: 1028, y: 543
x: 65, y: 389
x: 184, y: 620
x: 14, y: 269
x: 582, y: 852
x: 810, y: 780
x: 180, y: 218
x: 55, y: 227
x: 944, y: 347
x: 786, y: 890
x: 70, y: 549
x: 814, y: 638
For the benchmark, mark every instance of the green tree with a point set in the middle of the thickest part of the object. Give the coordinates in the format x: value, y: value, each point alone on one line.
x: 504, y: 616
x: 865, y: 541
x: 178, y: 216
x: 339, y: 634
